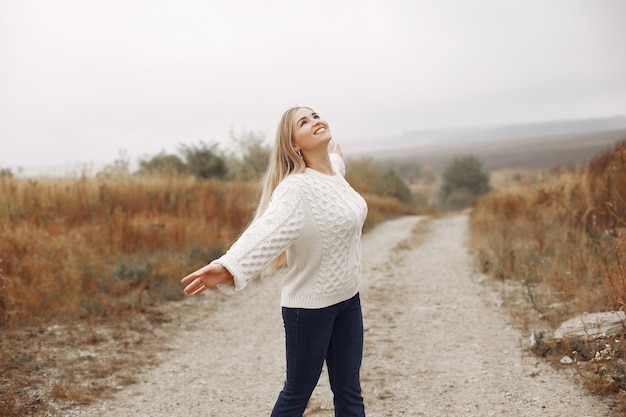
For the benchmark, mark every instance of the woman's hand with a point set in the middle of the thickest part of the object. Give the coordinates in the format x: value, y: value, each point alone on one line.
x: 206, y: 277
x: 332, y: 148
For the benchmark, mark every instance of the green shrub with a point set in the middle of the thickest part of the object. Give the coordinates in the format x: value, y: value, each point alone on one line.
x: 463, y: 181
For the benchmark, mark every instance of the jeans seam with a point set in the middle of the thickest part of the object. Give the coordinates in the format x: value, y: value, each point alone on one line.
x: 295, y: 356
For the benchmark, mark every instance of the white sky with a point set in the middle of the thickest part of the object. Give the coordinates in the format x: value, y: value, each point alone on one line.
x: 81, y: 80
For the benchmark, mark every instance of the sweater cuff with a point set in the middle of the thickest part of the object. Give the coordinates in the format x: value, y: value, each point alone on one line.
x: 240, y: 282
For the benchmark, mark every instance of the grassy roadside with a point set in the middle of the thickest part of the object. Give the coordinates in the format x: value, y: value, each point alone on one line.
x: 556, y: 243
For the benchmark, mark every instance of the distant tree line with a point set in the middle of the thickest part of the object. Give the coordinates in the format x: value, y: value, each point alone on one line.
x: 202, y: 160
x: 249, y: 161
x: 462, y: 181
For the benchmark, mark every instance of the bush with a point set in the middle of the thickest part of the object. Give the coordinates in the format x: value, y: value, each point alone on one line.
x: 251, y: 163
x: 6, y: 172
x: 463, y: 181
x: 370, y: 177
x: 162, y: 164
x: 205, y: 161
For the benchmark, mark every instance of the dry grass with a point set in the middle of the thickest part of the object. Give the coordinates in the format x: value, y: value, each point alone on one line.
x: 562, y: 236
x: 85, y: 265
x: 87, y: 247
x: 380, y: 209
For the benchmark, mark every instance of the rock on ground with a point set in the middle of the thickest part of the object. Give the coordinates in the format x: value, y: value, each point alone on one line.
x: 592, y: 326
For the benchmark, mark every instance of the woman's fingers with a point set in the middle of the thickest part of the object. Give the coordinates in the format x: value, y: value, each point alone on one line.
x: 194, y: 286
x: 188, y: 278
x: 198, y: 286
x: 206, y: 277
x: 207, y: 269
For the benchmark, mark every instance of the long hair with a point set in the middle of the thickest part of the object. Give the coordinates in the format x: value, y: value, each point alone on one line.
x: 284, y: 160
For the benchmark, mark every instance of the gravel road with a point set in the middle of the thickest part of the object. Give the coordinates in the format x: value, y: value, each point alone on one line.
x: 437, y: 343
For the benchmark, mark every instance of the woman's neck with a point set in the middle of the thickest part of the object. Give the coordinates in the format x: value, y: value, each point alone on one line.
x: 319, y: 162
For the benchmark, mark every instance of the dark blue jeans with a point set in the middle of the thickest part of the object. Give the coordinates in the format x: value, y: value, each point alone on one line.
x: 333, y: 334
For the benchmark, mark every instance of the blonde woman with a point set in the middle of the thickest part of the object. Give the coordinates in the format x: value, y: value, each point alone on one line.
x: 310, y: 220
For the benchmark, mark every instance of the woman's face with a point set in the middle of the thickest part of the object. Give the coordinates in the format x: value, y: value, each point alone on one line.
x: 309, y: 130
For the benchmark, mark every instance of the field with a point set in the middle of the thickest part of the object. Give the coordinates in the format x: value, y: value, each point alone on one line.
x: 561, y: 238
x: 79, y: 255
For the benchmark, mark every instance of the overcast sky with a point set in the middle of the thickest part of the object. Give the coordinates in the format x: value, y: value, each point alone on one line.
x: 81, y: 80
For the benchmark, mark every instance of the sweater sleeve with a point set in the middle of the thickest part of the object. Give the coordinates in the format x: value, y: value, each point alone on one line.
x: 266, y: 238
x: 337, y: 162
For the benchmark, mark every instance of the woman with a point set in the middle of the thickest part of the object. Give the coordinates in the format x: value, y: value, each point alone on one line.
x: 310, y: 219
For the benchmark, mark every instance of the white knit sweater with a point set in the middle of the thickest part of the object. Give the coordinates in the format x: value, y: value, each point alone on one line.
x: 317, y: 219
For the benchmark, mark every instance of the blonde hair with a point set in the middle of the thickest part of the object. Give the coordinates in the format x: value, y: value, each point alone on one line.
x: 284, y: 160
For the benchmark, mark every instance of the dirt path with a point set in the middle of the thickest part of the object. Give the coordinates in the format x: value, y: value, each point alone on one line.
x: 437, y: 344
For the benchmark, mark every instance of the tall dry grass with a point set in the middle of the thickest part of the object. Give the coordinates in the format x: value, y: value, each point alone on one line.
x: 565, y: 231
x: 98, y: 248
x: 563, y: 236
x: 89, y: 247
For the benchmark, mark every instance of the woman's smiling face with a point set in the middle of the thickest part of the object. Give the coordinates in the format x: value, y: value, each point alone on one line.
x: 309, y: 130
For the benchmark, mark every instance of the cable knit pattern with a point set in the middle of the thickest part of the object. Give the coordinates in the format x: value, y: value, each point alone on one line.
x: 317, y: 219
